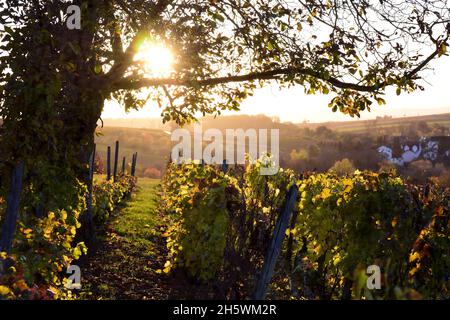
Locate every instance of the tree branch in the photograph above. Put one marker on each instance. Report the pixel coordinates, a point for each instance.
(129, 84)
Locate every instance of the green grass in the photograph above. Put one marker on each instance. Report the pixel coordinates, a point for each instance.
(130, 252)
(138, 219)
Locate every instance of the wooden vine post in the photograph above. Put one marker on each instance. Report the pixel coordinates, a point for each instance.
(275, 244)
(224, 166)
(12, 208)
(133, 164)
(108, 164)
(116, 160)
(91, 180)
(123, 165)
(90, 231)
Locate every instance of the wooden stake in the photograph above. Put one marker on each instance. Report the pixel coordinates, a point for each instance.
(108, 164)
(133, 164)
(12, 208)
(116, 160)
(275, 244)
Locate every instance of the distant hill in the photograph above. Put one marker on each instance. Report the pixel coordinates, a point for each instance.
(321, 143)
(153, 146)
(303, 146)
(140, 123)
(381, 123)
(262, 121)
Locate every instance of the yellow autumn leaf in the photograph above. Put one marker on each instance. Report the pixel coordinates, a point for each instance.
(394, 222)
(414, 257)
(439, 211)
(21, 285)
(413, 271)
(336, 260)
(4, 290)
(53, 290)
(326, 193)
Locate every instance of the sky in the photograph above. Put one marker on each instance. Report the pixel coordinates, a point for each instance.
(293, 105)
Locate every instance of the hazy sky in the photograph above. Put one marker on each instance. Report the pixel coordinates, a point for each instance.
(293, 105)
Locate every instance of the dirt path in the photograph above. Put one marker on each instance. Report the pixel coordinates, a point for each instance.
(130, 251)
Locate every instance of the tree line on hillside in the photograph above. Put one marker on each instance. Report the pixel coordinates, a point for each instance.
(302, 149)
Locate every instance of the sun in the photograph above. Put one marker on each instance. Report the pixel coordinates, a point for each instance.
(156, 58)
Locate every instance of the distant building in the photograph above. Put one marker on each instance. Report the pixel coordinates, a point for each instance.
(401, 151)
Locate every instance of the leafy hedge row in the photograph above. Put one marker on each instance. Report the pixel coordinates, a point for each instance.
(195, 197)
(221, 225)
(45, 247)
(346, 224)
(108, 195)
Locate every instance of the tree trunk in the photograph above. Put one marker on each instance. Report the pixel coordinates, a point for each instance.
(80, 124)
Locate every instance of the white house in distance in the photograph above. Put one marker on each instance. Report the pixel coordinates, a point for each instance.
(435, 149)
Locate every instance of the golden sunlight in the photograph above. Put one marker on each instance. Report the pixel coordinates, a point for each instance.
(156, 58)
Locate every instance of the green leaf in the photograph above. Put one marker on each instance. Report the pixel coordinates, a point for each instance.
(98, 69)
(218, 17)
(442, 50)
(381, 101)
(9, 30)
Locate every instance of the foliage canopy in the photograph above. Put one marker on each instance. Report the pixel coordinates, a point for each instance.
(225, 49)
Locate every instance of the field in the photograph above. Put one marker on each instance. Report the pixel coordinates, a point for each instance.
(385, 123)
(153, 146)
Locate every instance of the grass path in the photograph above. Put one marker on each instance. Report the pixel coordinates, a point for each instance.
(130, 251)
